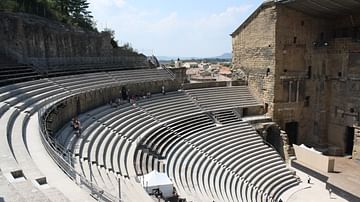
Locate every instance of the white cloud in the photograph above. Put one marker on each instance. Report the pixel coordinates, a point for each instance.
(226, 18)
(232, 11)
(106, 4)
(119, 3)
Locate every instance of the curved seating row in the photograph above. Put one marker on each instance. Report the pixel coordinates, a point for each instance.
(105, 144)
(207, 162)
(160, 139)
(11, 72)
(220, 98)
(171, 106)
(211, 153)
(64, 70)
(18, 103)
(108, 138)
(62, 66)
(76, 84)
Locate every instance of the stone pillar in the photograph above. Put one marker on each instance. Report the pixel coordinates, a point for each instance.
(297, 90)
(290, 91)
(356, 148)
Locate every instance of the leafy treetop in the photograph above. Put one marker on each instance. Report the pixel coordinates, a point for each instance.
(73, 12)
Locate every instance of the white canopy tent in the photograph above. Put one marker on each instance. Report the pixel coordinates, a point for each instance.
(156, 180)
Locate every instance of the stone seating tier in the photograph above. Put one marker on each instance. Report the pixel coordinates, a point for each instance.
(19, 105)
(215, 162)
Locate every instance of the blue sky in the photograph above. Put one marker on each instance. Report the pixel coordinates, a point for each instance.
(181, 28)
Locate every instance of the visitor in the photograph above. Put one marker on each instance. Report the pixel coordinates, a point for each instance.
(124, 93)
(163, 90)
(111, 103)
(196, 100)
(309, 180)
(128, 94)
(118, 101)
(330, 191)
(75, 123)
(133, 99)
(78, 127)
(72, 123)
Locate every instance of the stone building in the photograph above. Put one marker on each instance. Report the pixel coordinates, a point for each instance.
(302, 60)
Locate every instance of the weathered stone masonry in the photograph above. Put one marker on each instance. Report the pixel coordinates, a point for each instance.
(306, 69)
(254, 52)
(27, 38)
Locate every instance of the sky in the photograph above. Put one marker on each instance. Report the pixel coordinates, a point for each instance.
(180, 28)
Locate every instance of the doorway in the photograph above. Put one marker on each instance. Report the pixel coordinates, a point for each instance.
(245, 112)
(291, 129)
(349, 140)
(124, 94)
(274, 138)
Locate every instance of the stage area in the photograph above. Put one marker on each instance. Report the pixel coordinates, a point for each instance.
(344, 182)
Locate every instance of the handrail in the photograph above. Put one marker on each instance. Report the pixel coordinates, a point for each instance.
(169, 71)
(63, 158)
(60, 61)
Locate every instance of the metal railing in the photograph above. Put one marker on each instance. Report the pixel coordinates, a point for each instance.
(64, 61)
(64, 158)
(169, 71)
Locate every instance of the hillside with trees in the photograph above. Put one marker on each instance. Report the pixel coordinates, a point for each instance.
(72, 12)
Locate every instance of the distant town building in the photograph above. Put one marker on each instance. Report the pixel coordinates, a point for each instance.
(178, 63)
(204, 66)
(190, 64)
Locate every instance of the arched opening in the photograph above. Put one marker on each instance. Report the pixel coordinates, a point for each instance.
(124, 93)
(273, 137)
(291, 129)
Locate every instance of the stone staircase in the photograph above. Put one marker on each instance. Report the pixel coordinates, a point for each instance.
(225, 117)
(12, 72)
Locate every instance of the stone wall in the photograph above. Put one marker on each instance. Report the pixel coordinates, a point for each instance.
(343, 89)
(83, 102)
(295, 34)
(356, 149)
(314, 71)
(324, 73)
(180, 74)
(26, 38)
(254, 53)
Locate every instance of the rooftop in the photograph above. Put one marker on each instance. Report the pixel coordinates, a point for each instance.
(324, 8)
(318, 8)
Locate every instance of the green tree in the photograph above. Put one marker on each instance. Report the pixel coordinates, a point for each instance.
(78, 10)
(9, 5)
(62, 6)
(73, 12)
(114, 42)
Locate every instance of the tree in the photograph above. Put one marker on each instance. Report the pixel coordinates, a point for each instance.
(127, 46)
(113, 41)
(79, 13)
(74, 12)
(62, 6)
(8, 5)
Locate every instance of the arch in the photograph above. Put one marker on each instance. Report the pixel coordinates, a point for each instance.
(272, 134)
